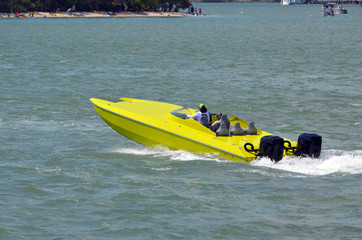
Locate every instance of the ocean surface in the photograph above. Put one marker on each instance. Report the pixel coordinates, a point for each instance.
(64, 174)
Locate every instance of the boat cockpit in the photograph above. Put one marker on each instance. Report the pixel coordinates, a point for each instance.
(225, 127)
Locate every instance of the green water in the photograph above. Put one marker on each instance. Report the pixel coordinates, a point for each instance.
(66, 175)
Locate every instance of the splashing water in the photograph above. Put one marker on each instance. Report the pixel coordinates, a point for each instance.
(160, 151)
(330, 162)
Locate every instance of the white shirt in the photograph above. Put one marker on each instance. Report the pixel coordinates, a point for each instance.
(197, 116)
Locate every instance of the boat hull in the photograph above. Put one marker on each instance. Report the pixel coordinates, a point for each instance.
(156, 138)
(152, 124)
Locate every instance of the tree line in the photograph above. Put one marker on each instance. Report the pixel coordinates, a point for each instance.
(91, 5)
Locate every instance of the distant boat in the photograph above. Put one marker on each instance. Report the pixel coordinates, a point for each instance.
(328, 10)
(341, 10)
(20, 15)
(287, 2)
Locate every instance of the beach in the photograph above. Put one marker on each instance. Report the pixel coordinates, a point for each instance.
(98, 14)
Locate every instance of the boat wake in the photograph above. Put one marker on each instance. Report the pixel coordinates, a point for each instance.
(171, 154)
(330, 162)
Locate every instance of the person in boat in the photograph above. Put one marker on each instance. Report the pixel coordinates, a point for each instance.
(215, 125)
(198, 115)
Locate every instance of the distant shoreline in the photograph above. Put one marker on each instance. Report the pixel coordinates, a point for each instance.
(99, 14)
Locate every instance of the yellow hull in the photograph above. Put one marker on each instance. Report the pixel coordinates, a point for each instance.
(151, 123)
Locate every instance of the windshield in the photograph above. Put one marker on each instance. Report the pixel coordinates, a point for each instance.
(182, 112)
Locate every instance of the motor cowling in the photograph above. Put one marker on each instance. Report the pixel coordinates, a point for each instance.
(309, 144)
(272, 147)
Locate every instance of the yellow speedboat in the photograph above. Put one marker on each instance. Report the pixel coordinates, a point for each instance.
(154, 123)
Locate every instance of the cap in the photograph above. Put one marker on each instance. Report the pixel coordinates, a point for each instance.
(201, 105)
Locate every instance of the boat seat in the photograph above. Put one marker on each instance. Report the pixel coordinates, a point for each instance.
(204, 120)
(224, 119)
(222, 131)
(251, 129)
(236, 129)
(215, 126)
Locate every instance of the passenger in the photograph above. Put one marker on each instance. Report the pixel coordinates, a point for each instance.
(215, 125)
(202, 111)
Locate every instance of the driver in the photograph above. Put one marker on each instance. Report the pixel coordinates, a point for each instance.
(202, 111)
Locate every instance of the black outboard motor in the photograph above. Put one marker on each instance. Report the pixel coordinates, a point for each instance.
(309, 144)
(272, 147)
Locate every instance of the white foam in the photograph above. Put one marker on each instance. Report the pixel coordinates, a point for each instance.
(53, 170)
(165, 152)
(135, 151)
(64, 61)
(330, 162)
(162, 169)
